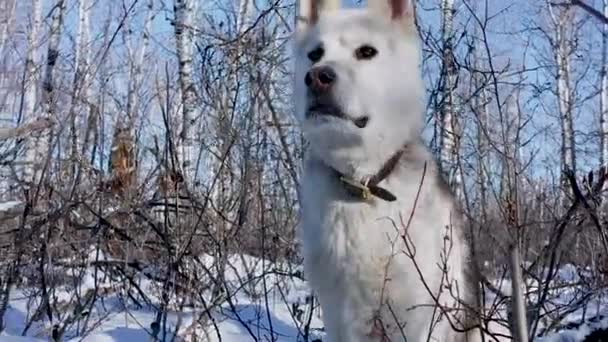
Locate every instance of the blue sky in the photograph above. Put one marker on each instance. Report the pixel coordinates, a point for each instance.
(508, 44)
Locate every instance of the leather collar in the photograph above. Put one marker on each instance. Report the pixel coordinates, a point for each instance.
(366, 188)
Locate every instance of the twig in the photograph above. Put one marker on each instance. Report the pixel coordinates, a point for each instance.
(588, 8)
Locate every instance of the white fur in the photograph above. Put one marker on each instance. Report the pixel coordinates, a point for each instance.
(354, 252)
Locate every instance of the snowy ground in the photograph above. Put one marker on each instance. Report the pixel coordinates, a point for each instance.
(280, 315)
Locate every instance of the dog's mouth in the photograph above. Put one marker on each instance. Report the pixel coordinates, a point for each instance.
(320, 109)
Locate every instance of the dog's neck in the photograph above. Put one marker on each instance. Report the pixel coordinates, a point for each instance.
(365, 188)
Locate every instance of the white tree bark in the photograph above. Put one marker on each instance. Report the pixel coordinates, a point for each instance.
(563, 22)
(450, 109)
(244, 16)
(31, 62)
(42, 141)
(519, 321)
(513, 205)
(135, 78)
(81, 93)
(483, 127)
(604, 92)
(184, 41)
(511, 130)
(30, 86)
(7, 15)
(83, 59)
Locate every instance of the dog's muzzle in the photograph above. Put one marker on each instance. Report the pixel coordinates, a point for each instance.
(320, 82)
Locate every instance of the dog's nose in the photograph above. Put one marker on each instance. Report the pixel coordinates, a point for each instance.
(320, 79)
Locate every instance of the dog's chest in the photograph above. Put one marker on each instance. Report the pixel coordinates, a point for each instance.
(365, 259)
(348, 241)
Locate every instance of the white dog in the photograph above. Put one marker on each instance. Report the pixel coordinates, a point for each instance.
(382, 239)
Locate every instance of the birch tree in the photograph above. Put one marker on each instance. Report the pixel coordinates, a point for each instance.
(137, 59)
(480, 107)
(7, 10)
(244, 15)
(81, 93)
(562, 22)
(184, 40)
(449, 110)
(41, 153)
(604, 92)
(513, 207)
(29, 98)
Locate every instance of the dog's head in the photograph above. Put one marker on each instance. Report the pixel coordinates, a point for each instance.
(358, 90)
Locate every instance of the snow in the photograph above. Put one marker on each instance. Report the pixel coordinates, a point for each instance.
(114, 319)
(254, 314)
(9, 338)
(575, 335)
(4, 206)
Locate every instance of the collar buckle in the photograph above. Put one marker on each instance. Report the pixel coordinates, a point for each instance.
(357, 188)
(368, 187)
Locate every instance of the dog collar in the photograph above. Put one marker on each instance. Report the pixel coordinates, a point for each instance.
(367, 188)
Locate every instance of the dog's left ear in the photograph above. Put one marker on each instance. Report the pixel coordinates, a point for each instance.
(310, 10)
(401, 12)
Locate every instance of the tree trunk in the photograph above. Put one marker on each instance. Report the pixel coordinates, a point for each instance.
(244, 15)
(604, 93)
(81, 91)
(513, 204)
(449, 110)
(562, 22)
(42, 153)
(519, 323)
(135, 78)
(30, 88)
(184, 41)
(483, 147)
(7, 8)
(42, 146)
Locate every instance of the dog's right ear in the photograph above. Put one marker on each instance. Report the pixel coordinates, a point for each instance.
(310, 10)
(398, 11)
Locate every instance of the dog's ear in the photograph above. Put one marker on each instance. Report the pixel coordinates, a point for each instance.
(310, 10)
(399, 11)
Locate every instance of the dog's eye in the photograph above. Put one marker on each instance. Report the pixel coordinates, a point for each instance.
(366, 52)
(316, 54)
